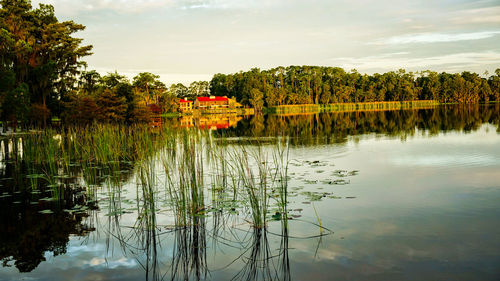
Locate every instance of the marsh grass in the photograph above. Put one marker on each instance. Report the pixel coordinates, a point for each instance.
(281, 162)
(253, 179)
(184, 173)
(354, 106)
(244, 176)
(198, 177)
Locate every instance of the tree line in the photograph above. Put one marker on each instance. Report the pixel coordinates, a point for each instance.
(113, 98)
(325, 85)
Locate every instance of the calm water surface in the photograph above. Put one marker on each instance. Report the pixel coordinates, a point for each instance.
(400, 195)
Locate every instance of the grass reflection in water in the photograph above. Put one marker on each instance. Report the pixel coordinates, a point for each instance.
(206, 191)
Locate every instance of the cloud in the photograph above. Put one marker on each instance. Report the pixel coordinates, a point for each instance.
(187, 40)
(435, 38)
(473, 16)
(211, 4)
(74, 7)
(100, 262)
(450, 62)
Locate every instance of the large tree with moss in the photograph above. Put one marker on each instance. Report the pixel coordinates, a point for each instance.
(39, 58)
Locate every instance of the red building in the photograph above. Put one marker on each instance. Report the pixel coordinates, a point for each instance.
(211, 102)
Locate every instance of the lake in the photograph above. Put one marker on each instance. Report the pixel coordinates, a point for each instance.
(362, 195)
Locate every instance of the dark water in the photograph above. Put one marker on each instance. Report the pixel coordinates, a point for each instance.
(400, 195)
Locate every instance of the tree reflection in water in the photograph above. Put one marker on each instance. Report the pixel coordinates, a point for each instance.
(43, 205)
(336, 127)
(37, 218)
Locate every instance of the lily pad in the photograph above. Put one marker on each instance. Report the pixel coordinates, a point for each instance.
(276, 216)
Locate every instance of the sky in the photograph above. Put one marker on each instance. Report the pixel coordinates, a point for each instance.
(190, 40)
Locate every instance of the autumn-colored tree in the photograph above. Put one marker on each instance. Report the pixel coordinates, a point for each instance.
(141, 114)
(81, 110)
(112, 108)
(37, 114)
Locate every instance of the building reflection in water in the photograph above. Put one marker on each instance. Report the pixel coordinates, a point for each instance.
(210, 122)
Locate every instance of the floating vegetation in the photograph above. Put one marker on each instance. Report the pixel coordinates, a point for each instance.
(344, 173)
(338, 182)
(310, 181)
(315, 196)
(118, 212)
(276, 216)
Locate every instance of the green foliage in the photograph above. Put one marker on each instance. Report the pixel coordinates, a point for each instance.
(149, 83)
(178, 90)
(16, 105)
(110, 98)
(89, 81)
(112, 80)
(198, 89)
(125, 90)
(325, 85)
(7, 82)
(169, 102)
(494, 83)
(148, 89)
(39, 54)
(256, 99)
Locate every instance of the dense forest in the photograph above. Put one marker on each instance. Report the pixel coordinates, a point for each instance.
(43, 75)
(325, 85)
